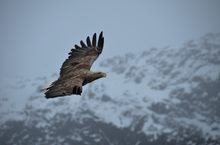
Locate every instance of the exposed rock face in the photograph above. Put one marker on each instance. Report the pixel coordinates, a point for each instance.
(159, 96)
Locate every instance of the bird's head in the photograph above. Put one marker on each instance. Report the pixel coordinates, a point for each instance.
(101, 75)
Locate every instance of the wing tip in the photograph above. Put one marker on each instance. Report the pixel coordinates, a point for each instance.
(101, 40)
(83, 44)
(88, 41)
(94, 40)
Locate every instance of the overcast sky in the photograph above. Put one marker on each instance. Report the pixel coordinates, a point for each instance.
(36, 35)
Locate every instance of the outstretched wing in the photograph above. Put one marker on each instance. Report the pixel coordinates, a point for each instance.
(72, 72)
(82, 57)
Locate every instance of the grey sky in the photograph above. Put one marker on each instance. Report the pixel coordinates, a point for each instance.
(36, 36)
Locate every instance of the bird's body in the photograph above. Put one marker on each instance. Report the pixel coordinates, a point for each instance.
(75, 71)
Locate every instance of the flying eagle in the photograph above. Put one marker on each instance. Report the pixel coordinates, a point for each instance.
(75, 71)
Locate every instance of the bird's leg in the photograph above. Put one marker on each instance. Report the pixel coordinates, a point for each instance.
(77, 90)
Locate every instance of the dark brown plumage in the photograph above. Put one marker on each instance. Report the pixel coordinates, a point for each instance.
(75, 71)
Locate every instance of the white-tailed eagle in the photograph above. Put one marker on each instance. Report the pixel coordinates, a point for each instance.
(75, 71)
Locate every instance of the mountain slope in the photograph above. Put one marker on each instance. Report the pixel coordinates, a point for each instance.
(158, 96)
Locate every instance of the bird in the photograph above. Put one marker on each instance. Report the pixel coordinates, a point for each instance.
(75, 70)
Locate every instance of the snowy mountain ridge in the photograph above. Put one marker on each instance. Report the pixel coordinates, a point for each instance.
(160, 91)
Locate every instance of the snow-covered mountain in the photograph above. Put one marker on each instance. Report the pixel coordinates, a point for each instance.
(158, 96)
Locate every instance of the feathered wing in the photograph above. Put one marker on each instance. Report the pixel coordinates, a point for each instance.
(74, 69)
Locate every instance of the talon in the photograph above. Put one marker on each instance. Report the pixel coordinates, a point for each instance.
(74, 90)
(77, 90)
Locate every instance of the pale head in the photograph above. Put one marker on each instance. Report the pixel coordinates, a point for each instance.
(100, 74)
